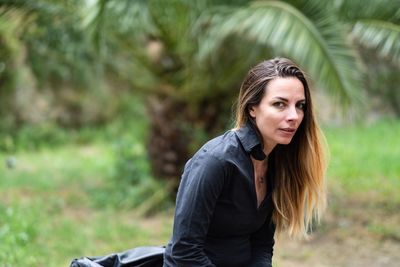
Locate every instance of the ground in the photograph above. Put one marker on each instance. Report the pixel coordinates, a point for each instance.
(342, 240)
(349, 240)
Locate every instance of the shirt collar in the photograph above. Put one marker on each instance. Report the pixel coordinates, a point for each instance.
(251, 141)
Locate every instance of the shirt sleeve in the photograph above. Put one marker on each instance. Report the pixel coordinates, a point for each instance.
(262, 243)
(201, 184)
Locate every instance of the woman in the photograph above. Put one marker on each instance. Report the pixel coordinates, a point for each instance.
(267, 174)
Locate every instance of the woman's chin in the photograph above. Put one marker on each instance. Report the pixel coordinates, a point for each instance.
(284, 141)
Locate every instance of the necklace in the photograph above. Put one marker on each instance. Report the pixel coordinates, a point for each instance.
(260, 169)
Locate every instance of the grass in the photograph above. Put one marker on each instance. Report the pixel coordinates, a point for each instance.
(50, 213)
(365, 160)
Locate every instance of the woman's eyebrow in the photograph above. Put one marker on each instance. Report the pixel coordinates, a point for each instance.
(286, 100)
(280, 98)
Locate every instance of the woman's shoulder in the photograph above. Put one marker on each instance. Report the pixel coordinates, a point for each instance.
(221, 147)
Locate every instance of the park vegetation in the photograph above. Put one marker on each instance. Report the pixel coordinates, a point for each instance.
(103, 101)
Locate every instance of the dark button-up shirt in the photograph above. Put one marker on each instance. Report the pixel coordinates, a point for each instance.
(217, 221)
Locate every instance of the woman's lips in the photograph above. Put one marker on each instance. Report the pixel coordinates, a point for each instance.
(288, 131)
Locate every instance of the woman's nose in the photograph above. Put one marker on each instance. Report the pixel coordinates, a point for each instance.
(293, 114)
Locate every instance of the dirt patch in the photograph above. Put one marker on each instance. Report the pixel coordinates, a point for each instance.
(365, 235)
(329, 251)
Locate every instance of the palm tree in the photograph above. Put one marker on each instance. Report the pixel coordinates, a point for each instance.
(44, 47)
(375, 29)
(375, 25)
(190, 56)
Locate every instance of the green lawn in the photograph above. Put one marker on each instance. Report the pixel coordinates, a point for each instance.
(48, 215)
(49, 212)
(365, 160)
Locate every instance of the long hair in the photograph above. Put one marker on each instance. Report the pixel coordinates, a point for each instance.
(298, 168)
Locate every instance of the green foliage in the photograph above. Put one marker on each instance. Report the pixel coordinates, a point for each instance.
(198, 52)
(310, 34)
(381, 35)
(375, 26)
(130, 183)
(364, 159)
(386, 229)
(131, 162)
(45, 135)
(188, 37)
(45, 47)
(56, 42)
(33, 138)
(382, 83)
(10, 56)
(47, 216)
(193, 51)
(129, 124)
(67, 201)
(18, 230)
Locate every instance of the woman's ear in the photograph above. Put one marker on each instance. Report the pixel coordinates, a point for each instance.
(252, 112)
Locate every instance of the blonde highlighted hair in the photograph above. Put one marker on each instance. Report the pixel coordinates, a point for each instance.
(297, 169)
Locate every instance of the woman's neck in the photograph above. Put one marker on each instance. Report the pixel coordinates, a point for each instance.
(268, 147)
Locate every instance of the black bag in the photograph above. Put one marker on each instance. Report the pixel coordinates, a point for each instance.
(136, 257)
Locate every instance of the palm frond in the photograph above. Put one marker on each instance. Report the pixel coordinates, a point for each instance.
(383, 36)
(108, 20)
(289, 32)
(354, 10)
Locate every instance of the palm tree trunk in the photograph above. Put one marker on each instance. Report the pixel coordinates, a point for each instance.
(174, 132)
(168, 143)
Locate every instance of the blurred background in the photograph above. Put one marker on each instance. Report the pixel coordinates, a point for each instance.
(103, 101)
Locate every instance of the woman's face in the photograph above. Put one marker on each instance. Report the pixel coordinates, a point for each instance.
(280, 111)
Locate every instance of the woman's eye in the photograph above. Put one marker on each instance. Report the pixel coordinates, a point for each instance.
(279, 104)
(301, 106)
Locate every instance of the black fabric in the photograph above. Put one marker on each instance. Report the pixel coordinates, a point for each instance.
(137, 257)
(217, 221)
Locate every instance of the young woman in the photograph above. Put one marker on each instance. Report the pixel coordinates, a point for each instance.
(267, 174)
